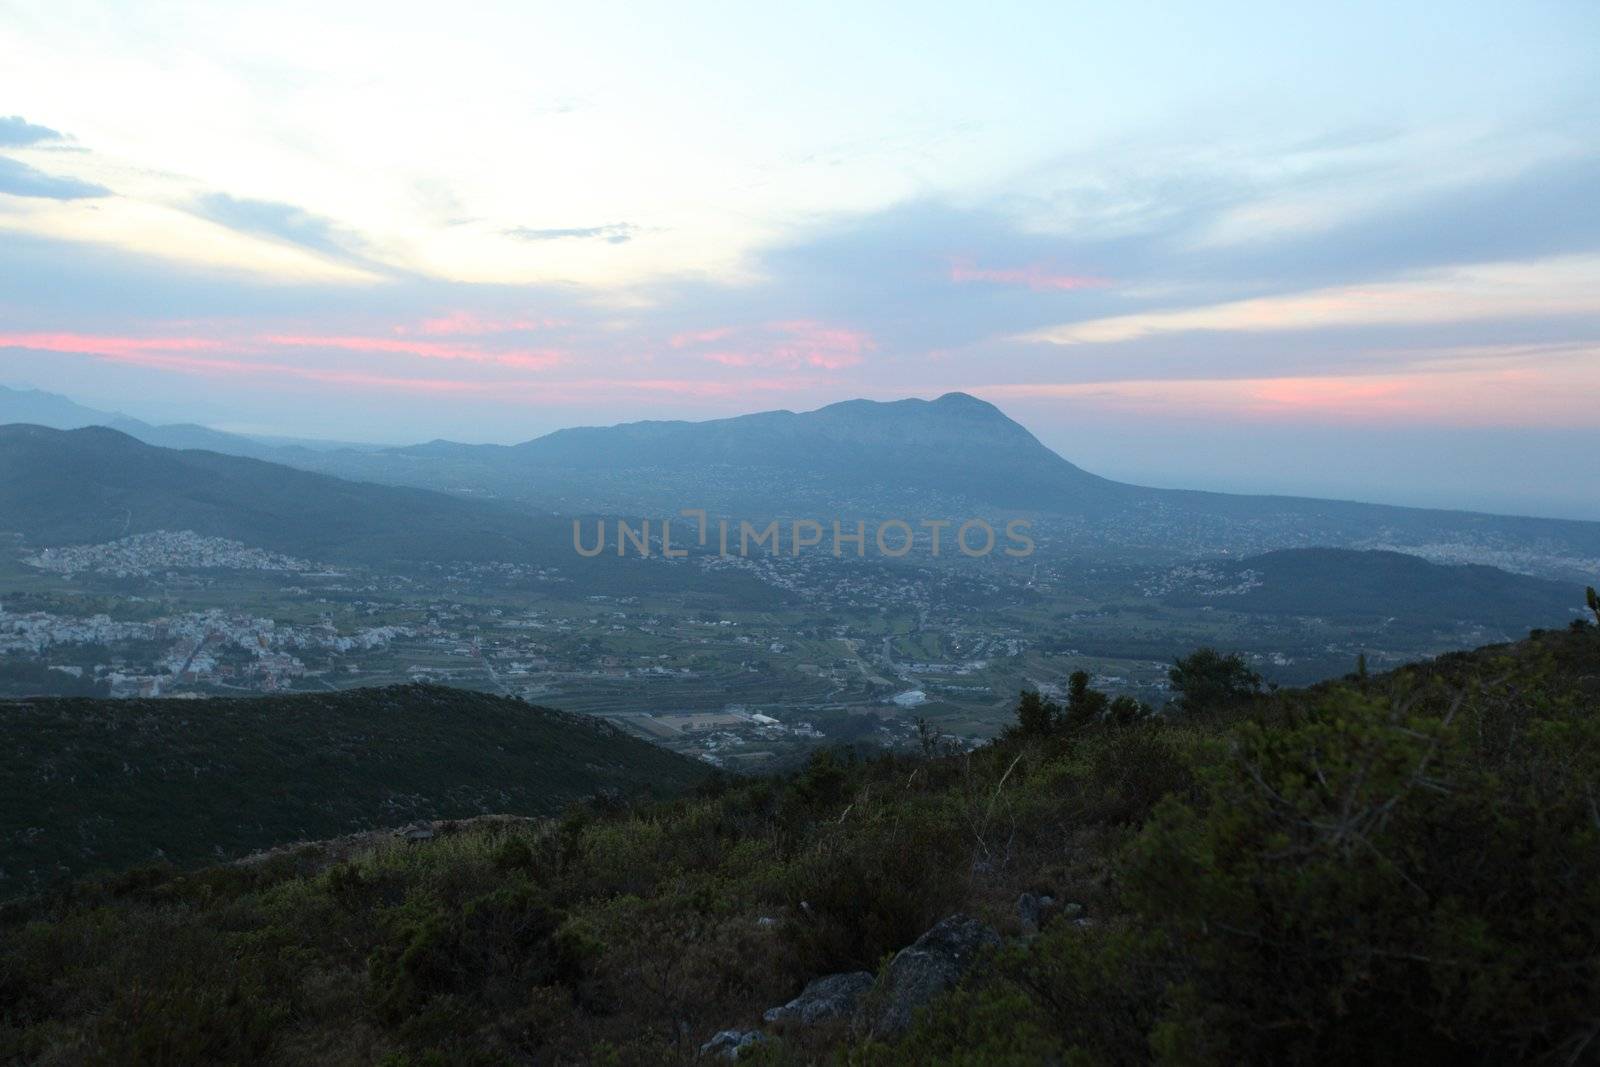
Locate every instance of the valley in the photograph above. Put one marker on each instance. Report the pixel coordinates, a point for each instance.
(742, 662)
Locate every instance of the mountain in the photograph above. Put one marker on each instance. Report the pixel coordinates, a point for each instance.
(96, 484)
(1393, 869)
(1343, 583)
(955, 446)
(954, 456)
(93, 485)
(39, 408)
(88, 784)
(188, 435)
(49, 409)
(955, 449)
(951, 456)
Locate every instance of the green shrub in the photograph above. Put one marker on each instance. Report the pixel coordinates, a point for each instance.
(1386, 873)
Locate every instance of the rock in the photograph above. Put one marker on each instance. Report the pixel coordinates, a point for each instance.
(1072, 910)
(730, 1044)
(927, 967)
(832, 996)
(1029, 908)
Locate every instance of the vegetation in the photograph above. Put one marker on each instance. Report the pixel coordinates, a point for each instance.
(1403, 869)
(104, 784)
(1356, 586)
(96, 484)
(1207, 680)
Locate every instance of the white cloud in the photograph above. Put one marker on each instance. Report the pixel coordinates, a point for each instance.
(1565, 285)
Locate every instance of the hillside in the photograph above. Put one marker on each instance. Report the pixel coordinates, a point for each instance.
(953, 449)
(1403, 868)
(102, 784)
(39, 408)
(97, 484)
(1341, 583)
(955, 453)
(956, 445)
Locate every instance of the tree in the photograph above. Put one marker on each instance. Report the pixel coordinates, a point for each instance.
(1594, 603)
(1206, 680)
(1036, 716)
(1127, 710)
(1084, 705)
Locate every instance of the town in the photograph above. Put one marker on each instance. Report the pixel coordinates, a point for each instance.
(749, 661)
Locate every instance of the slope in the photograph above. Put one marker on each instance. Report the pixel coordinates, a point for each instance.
(1343, 583)
(88, 784)
(97, 484)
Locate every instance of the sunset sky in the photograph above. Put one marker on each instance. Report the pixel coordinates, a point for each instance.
(1336, 249)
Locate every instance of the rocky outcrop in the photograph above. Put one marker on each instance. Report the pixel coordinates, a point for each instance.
(930, 965)
(731, 1044)
(832, 996)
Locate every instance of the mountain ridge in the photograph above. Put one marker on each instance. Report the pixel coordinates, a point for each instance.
(954, 455)
(96, 484)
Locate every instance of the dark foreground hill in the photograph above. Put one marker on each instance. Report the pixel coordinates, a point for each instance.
(104, 784)
(1396, 869)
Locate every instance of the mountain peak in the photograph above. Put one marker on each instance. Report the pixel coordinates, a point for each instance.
(959, 399)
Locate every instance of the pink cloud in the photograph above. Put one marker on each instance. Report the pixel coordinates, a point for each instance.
(791, 344)
(424, 349)
(467, 323)
(119, 346)
(701, 337)
(188, 356)
(1035, 276)
(147, 356)
(600, 389)
(106, 345)
(1471, 393)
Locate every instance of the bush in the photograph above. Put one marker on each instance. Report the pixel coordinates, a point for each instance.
(873, 887)
(1208, 681)
(1378, 876)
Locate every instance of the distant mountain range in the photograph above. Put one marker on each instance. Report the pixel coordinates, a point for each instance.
(39, 408)
(953, 456)
(97, 484)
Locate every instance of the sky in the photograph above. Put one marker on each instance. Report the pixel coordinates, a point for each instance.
(1347, 250)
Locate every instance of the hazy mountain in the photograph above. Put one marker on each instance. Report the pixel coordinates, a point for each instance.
(49, 409)
(953, 456)
(1337, 583)
(39, 408)
(92, 485)
(97, 484)
(955, 448)
(956, 445)
(193, 780)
